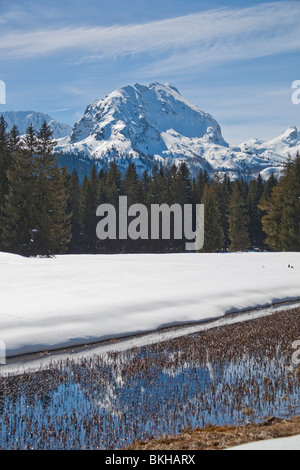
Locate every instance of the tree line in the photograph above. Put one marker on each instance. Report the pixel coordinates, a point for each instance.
(44, 210)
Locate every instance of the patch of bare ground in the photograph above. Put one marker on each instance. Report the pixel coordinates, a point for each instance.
(223, 437)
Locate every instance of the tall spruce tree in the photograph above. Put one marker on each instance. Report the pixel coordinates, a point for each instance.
(53, 229)
(89, 219)
(113, 184)
(31, 141)
(59, 235)
(268, 186)
(256, 233)
(225, 192)
(199, 185)
(167, 184)
(4, 160)
(145, 186)
(131, 186)
(290, 221)
(19, 220)
(73, 208)
(238, 220)
(281, 221)
(183, 185)
(271, 220)
(14, 140)
(155, 186)
(213, 230)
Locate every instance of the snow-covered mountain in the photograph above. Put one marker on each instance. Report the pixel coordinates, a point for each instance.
(274, 151)
(23, 119)
(152, 123)
(144, 124)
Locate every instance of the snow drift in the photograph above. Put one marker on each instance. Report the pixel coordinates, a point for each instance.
(76, 299)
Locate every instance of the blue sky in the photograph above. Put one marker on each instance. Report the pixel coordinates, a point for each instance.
(235, 59)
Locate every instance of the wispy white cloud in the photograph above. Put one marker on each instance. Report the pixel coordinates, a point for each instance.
(60, 110)
(229, 49)
(12, 15)
(26, 14)
(198, 38)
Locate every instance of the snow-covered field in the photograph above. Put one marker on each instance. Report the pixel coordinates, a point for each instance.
(77, 299)
(285, 443)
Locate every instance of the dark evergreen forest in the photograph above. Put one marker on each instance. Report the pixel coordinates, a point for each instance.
(44, 210)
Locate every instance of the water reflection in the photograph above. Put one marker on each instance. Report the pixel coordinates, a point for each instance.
(107, 402)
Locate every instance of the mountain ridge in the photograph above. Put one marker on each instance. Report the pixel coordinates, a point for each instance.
(23, 119)
(151, 123)
(146, 124)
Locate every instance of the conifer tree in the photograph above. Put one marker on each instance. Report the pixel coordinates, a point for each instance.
(4, 138)
(31, 141)
(4, 159)
(271, 220)
(256, 233)
(44, 167)
(58, 236)
(19, 220)
(281, 221)
(268, 186)
(225, 192)
(213, 230)
(82, 206)
(46, 145)
(181, 193)
(131, 186)
(145, 186)
(53, 230)
(17, 184)
(14, 141)
(182, 185)
(155, 186)
(113, 184)
(290, 220)
(166, 181)
(73, 208)
(199, 185)
(102, 186)
(238, 220)
(89, 219)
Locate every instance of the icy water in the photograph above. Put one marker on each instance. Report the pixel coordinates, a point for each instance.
(226, 376)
